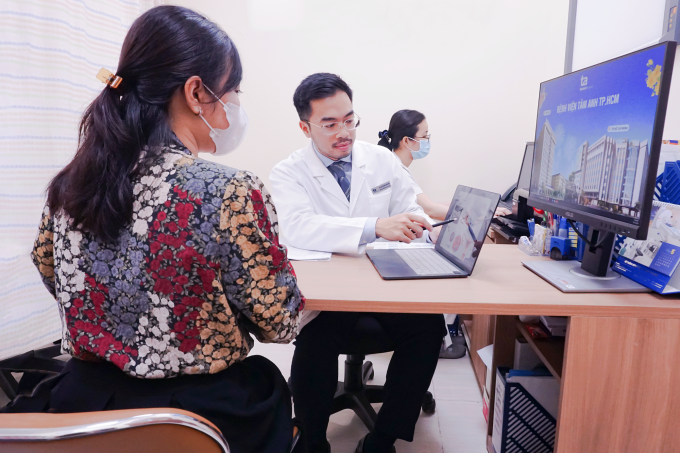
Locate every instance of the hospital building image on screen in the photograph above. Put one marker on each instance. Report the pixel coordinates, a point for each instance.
(593, 135)
(609, 175)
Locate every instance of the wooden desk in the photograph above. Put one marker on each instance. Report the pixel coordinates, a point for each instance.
(622, 357)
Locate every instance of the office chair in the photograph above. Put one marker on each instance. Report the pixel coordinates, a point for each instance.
(354, 393)
(157, 430)
(161, 430)
(35, 366)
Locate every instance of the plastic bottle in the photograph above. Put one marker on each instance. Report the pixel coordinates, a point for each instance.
(564, 231)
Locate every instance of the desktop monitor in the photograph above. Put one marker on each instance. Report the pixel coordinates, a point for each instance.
(597, 142)
(521, 211)
(524, 179)
(598, 137)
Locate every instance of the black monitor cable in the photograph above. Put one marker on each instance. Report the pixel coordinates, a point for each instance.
(598, 244)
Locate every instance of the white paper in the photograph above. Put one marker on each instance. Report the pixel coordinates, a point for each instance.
(498, 411)
(545, 389)
(400, 245)
(554, 321)
(486, 354)
(297, 254)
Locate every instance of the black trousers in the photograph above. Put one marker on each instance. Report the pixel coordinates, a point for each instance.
(249, 401)
(415, 340)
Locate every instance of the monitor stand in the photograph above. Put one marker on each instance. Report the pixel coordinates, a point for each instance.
(521, 211)
(593, 275)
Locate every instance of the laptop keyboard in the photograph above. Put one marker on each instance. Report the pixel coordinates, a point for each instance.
(427, 262)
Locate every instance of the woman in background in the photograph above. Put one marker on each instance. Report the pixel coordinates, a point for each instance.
(408, 137)
(163, 264)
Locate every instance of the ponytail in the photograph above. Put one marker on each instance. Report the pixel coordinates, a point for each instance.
(385, 139)
(404, 123)
(126, 127)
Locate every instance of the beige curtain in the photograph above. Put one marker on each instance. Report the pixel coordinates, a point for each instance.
(51, 51)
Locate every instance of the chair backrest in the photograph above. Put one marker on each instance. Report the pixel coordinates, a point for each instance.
(161, 430)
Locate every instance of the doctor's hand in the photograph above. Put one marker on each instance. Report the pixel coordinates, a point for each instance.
(478, 246)
(434, 234)
(501, 211)
(402, 227)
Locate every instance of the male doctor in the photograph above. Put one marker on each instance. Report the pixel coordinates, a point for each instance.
(337, 195)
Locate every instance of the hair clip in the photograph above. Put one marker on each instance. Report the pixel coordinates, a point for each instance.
(383, 134)
(109, 78)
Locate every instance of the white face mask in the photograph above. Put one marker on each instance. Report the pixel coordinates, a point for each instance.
(227, 140)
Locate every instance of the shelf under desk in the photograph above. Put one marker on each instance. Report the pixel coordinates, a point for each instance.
(549, 350)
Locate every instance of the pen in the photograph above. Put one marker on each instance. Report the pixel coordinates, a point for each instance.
(472, 233)
(444, 222)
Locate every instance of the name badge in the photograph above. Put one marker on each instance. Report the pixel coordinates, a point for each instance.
(381, 187)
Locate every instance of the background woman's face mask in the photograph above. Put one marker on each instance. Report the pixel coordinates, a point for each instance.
(423, 151)
(227, 140)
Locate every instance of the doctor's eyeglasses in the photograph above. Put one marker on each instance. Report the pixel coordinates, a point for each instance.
(333, 128)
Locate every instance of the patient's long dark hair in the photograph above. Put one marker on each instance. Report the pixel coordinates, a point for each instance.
(164, 47)
(404, 123)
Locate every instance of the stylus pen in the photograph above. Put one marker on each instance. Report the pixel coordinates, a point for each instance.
(435, 225)
(472, 233)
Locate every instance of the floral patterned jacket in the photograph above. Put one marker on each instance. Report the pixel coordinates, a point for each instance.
(198, 270)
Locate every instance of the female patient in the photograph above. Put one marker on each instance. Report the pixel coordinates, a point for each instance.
(164, 264)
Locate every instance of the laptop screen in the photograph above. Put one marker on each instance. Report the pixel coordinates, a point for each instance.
(461, 240)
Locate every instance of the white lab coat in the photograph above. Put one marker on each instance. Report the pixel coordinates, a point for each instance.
(313, 212)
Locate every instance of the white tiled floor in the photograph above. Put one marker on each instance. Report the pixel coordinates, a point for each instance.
(457, 426)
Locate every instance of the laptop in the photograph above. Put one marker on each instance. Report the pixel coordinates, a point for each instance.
(458, 245)
(515, 225)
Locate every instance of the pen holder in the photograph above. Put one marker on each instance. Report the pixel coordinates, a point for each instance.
(541, 234)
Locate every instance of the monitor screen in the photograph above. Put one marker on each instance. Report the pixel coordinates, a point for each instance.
(524, 179)
(596, 137)
(462, 239)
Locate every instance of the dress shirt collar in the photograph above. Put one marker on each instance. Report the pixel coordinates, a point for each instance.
(326, 161)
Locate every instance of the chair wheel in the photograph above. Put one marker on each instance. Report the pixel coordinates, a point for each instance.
(429, 404)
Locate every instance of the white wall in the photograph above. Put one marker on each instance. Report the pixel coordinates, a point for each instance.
(473, 68)
(606, 29)
(671, 129)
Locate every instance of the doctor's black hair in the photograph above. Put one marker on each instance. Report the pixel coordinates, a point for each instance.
(321, 85)
(126, 127)
(404, 123)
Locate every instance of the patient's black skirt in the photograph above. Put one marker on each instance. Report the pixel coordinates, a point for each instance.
(249, 401)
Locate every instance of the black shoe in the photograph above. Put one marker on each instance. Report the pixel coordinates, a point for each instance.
(454, 351)
(360, 446)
